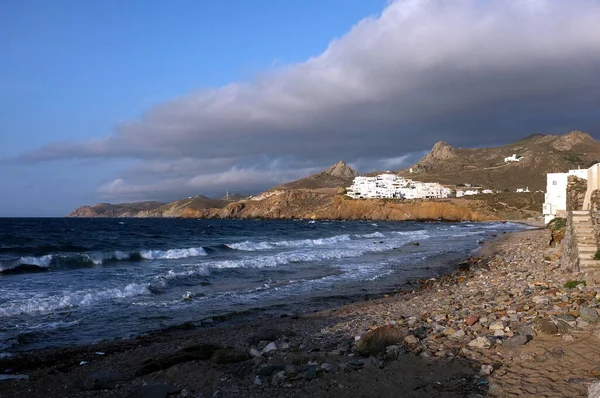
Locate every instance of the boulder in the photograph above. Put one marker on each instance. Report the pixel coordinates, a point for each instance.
(589, 314)
(375, 341)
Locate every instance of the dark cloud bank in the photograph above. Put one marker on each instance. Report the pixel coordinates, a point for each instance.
(469, 72)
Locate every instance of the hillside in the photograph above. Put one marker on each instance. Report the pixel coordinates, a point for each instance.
(116, 210)
(174, 209)
(148, 209)
(338, 175)
(539, 154)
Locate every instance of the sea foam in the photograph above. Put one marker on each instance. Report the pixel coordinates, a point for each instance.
(71, 300)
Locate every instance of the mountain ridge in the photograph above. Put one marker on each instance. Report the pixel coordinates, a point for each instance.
(539, 154)
(314, 195)
(340, 174)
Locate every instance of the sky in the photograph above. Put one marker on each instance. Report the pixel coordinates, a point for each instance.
(118, 101)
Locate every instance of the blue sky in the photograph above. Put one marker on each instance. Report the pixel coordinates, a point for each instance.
(131, 100)
(72, 70)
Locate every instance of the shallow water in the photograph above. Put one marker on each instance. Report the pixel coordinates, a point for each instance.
(69, 281)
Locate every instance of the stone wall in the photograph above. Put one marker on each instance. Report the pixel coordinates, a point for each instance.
(595, 212)
(569, 258)
(576, 189)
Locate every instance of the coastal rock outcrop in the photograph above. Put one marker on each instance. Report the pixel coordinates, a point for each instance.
(327, 204)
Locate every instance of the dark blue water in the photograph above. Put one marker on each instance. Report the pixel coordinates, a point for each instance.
(70, 281)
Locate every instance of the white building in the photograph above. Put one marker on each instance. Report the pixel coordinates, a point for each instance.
(556, 192)
(466, 192)
(512, 158)
(391, 186)
(522, 190)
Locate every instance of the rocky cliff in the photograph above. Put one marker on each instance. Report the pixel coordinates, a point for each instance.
(116, 210)
(325, 204)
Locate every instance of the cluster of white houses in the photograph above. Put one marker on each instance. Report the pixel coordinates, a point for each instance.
(392, 186)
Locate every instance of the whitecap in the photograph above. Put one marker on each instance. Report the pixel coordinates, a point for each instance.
(71, 300)
(172, 253)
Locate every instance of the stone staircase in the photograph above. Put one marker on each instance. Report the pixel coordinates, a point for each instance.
(587, 246)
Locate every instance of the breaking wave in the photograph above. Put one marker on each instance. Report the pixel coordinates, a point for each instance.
(85, 260)
(254, 246)
(172, 254)
(71, 300)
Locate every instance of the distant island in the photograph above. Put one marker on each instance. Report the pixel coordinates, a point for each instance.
(520, 166)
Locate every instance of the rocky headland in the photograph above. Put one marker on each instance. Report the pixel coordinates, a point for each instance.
(327, 204)
(507, 323)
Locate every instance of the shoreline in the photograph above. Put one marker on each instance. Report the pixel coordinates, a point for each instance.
(317, 351)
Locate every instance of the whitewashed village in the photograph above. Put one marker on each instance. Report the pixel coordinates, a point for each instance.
(392, 186)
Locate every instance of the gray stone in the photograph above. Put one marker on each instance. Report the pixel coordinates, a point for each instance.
(563, 327)
(278, 378)
(356, 364)
(392, 352)
(567, 317)
(526, 329)
(13, 377)
(271, 347)
(254, 353)
(515, 341)
(588, 314)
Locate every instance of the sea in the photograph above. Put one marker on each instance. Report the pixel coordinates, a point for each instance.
(67, 281)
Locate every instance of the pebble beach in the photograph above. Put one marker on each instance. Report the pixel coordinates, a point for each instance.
(506, 323)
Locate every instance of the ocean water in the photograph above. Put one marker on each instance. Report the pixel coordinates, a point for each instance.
(75, 281)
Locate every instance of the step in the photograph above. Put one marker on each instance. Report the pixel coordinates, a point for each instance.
(586, 241)
(588, 253)
(589, 265)
(579, 212)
